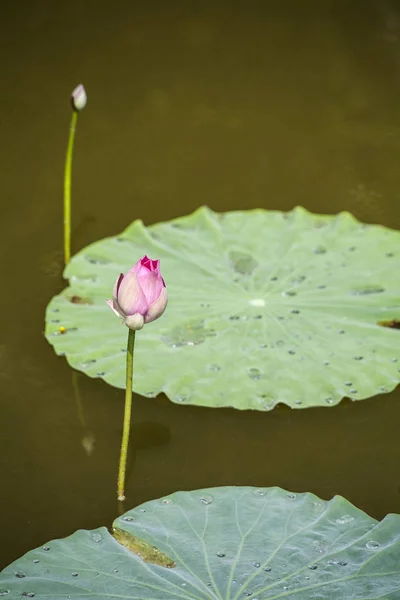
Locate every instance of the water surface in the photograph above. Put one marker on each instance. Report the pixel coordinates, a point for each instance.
(231, 104)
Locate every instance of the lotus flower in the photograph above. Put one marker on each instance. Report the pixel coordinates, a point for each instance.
(140, 296)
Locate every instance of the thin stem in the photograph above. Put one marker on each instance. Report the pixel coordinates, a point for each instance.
(67, 188)
(77, 394)
(127, 416)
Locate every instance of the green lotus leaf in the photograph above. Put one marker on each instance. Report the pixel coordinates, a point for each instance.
(223, 543)
(264, 307)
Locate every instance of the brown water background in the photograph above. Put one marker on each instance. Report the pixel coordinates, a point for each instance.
(240, 104)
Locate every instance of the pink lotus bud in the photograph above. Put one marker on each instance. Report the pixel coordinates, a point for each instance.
(79, 98)
(140, 296)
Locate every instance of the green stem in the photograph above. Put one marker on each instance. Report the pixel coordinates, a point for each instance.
(67, 188)
(127, 416)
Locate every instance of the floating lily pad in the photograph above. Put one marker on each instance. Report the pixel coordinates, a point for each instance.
(264, 307)
(222, 543)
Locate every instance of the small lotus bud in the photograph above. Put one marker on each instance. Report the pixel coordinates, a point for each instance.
(79, 98)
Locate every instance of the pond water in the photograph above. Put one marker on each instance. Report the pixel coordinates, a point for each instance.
(232, 104)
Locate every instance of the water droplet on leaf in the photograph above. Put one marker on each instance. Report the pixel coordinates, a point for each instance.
(181, 398)
(190, 334)
(345, 519)
(242, 263)
(86, 364)
(206, 500)
(363, 291)
(254, 373)
(372, 545)
(320, 546)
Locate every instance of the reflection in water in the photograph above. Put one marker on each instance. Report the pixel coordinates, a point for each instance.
(235, 105)
(149, 435)
(88, 440)
(144, 436)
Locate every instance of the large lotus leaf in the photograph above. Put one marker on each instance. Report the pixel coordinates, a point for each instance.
(221, 543)
(264, 307)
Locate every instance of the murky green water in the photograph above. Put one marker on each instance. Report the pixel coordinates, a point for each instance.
(231, 104)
